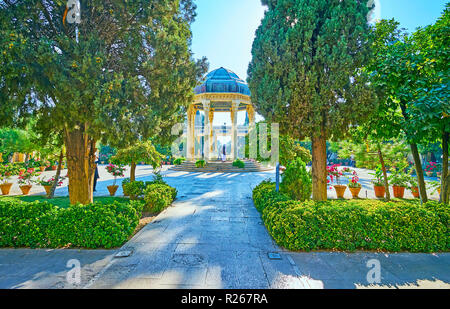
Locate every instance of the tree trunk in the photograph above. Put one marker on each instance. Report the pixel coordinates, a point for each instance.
(319, 167)
(419, 172)
(383, 168)
(58, 174)
(445, 179)
(80, 153)
(133, 172)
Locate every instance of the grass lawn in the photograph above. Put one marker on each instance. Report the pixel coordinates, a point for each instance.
(63, 202)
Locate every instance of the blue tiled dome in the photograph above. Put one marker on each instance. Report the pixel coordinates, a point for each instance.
(222, 80)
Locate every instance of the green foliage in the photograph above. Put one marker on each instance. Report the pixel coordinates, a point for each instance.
(238, 163)
(158, 197)
(303, 57)
(398, 177)
(43, 225)
(138, 152)
(296, 182)
(377, 179)
(264, 195)
(134, 189)
(200, 163)
(290, 150)
(359, 225)
(179, 161)
(124, 83)
(365, 154)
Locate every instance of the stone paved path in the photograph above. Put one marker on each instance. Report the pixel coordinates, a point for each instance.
(212, 237)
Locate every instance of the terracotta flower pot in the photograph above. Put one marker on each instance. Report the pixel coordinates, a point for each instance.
(54, 167)
(415, 192)
(340, 190)
(112, 190)
(47, 189)
(25, 189)
(6, 187)
(42, 168)
(380, 191)
(429, 174)
(355, 191)
(399, 192)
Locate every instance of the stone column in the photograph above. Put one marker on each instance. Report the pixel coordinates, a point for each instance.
(234, 110)
(211, 133)
(207, 129)
(190, 144)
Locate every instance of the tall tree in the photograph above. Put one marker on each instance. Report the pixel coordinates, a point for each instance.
(412, 72)
(125, 64)
(306, 72)
(429, 112)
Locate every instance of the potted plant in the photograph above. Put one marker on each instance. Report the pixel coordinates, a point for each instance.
(335, 174)
(47, 184)
(414, 187)
(429, 169)
(200, 163)
(114, 170)
(26, 180)
(354, 185)
(43, 165)
(399, 181)
(5, 174)
(378, 184)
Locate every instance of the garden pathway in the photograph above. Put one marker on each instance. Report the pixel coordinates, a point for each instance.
(211, 237)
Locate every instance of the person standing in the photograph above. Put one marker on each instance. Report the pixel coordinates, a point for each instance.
(96, 175)
(224, 153)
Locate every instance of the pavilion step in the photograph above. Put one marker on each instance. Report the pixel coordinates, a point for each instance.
(221, 167)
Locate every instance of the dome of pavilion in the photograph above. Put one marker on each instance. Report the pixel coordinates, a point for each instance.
(222, 81)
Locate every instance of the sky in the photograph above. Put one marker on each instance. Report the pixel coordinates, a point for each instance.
(224, 29)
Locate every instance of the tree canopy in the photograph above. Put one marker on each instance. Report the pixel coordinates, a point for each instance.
(307, 72)
(124, 72)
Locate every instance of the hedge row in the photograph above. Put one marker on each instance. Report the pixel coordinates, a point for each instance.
(43, 225)
(264, 195)
(354, 224)
(158, 196)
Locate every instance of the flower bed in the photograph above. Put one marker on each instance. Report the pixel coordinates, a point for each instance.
(353, 224)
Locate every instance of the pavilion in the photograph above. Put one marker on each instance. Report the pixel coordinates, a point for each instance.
(221, 91)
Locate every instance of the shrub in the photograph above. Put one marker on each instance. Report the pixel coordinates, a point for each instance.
(158, 197)
(179, 161)
(200, 163)
(297, 183)
(359, 224)
(238, 163)
(264, 195)
(134, 189)
(40, 224)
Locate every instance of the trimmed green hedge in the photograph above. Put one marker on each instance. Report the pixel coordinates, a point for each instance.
(158, 196)
(354, 224)
(264, 195)
(43, 225)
